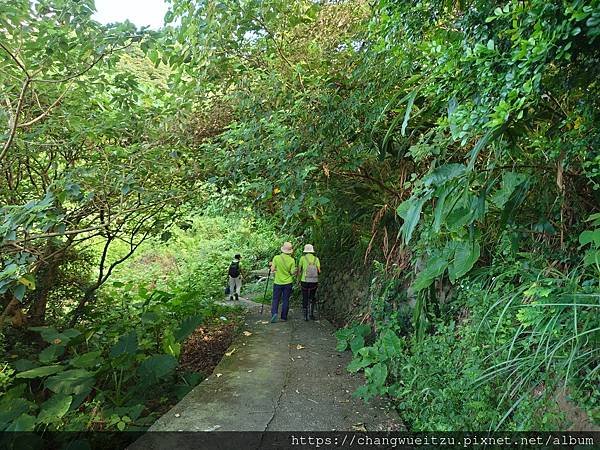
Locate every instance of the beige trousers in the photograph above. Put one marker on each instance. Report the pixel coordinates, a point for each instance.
(235, 286)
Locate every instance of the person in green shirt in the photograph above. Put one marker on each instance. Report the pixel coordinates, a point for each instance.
(309, 270)
(284, 267)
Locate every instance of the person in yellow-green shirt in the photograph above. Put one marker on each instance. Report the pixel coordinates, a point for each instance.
(309, 268)
(284, 267)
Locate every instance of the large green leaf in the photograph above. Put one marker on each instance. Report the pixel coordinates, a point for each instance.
(24, 422)
(458, 218)
(38, 372)
(357, 343)
(434, 268)
(465, 257)
(592, 257)
(55, 408)
(127, 344)
(377, 374)
(69, 382)
(481, 143)
(444, 173)
(410, 211)
(49, 334)
(187, 327)
(52, 336)
(24, 364)
(590, 236)
(391, 345)
(86, 360)
(12, 408)
(510, 181)
(409, 107)
(358, 363)
(156, 367)
(51, 353)
(440, 206)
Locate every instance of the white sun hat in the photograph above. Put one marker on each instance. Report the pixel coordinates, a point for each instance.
(287, 248)
(308, 248)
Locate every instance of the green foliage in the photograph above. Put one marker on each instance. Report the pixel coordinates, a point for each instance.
(521, 339)
(103, 367)
(86, 149)
(196, 259)
(352, 337)
(451, 145)
(104, 372)
(591, 240)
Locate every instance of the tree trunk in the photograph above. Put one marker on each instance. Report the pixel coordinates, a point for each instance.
(45, 282)
(89, 294)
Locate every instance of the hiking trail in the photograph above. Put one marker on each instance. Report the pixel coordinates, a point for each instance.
(285, 376)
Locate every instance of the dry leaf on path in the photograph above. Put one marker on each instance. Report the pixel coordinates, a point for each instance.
(178, 415)
(299, 347)
(219, 374)
(247, 333)
(250, 371)
(230, 353)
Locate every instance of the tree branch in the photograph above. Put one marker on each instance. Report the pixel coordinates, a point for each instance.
(84, 71)
(13, 125)
(45, 113)
(66, 233)
(262, 23)
(15, 59)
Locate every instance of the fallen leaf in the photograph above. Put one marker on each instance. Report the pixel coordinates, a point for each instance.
(247, 333)
(299, 347)
(219, 374)
(250, 371)
(230, 353)
(177, 415)
(297, 391)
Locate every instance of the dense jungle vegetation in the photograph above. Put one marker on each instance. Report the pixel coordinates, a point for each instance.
(444, 152)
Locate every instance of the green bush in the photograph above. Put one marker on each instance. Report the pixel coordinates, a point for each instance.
(515, 336)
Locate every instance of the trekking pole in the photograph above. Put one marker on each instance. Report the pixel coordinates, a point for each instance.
(262, 304)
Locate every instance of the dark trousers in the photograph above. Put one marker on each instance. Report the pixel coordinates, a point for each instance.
(281, 292)
(309, 292)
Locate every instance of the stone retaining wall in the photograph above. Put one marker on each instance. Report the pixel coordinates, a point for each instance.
(343, 294)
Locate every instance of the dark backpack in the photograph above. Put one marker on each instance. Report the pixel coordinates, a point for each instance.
(234, 269)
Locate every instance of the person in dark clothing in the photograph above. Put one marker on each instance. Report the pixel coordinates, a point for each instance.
(235, 278)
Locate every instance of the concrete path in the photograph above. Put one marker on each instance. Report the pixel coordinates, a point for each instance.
(285, 376)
